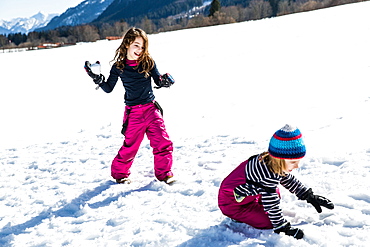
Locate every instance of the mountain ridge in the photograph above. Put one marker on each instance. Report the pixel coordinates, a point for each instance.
(83, 13)
(25, 25)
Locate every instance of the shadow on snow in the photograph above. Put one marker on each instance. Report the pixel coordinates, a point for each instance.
(71, 209)
(229, 233)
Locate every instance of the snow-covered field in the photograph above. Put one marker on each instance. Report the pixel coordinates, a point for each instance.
(235, 86)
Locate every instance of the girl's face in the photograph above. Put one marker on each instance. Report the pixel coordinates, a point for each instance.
(135, 49)
(290, 165)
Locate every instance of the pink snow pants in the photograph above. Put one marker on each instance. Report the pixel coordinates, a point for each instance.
(144, 119)
(250, 210)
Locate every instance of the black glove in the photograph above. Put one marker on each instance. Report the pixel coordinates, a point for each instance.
(96, 78)
(318, 201)
(165, 80)
(289, 230)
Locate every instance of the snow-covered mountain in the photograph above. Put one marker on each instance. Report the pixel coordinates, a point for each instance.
(3, 30)
(85, 12)
(25, 25)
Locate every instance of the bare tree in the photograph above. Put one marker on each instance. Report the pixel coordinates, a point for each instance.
(260, 9)
(3, 41)
(233, 12)
(147, 25)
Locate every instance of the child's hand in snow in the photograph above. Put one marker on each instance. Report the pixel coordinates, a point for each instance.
(318, 201)
(289, 230)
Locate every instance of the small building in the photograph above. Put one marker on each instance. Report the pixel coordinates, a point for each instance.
(113, 37)
(48, 45)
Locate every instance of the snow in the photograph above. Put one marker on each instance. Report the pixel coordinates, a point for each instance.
(235, 86)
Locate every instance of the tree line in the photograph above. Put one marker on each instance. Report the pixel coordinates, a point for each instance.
(254, 10)
(134, 11)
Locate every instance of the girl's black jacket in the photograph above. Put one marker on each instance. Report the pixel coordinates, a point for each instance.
(138, 89)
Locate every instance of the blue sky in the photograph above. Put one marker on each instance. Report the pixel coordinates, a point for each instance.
(10, 9)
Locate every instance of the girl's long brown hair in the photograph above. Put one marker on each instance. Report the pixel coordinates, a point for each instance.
(145, 60)
(275, 165)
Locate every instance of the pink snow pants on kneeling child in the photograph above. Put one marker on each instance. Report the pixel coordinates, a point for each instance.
(144, 119)
(250, 210)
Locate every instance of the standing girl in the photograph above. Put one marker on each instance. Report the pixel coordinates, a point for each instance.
(250, 194)
(136, 68)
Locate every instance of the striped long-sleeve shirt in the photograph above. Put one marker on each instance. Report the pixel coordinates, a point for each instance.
(258, 172)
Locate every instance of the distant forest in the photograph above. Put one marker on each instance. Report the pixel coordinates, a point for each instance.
(135, 10)
(219, 13)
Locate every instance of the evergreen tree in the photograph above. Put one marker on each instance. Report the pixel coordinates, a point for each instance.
(215, 6)
(275, 7)
(17, 38)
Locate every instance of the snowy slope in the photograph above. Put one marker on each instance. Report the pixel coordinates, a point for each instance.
(235, 86)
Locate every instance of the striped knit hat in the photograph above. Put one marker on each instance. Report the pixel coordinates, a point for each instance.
(287, 143)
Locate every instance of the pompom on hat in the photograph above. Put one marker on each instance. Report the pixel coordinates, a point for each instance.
(287, 143)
